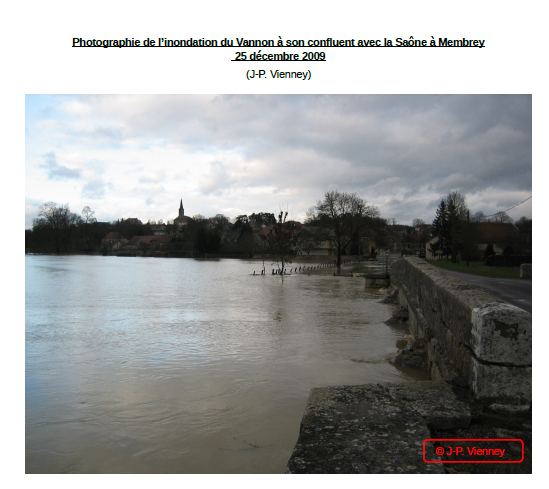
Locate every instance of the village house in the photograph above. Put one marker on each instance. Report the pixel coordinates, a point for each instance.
(133, 220)
(147, 242)
(368, 242)
(159, 229)
(482, 234)
(415, 242)
(266, 232)
(312, 241)
(492, 233)
(113, 241)
(393, 242)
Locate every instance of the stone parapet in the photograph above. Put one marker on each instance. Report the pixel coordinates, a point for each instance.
(375, 428)
(472, 337)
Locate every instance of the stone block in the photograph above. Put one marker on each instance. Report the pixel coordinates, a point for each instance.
(435, 402)
(361, 430)
(502, 333)
(502, 384)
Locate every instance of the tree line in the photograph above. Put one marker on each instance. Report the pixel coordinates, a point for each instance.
(340, 219)
(57, 229)
(456, 237)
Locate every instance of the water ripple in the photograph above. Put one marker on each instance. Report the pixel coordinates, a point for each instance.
(153, 365)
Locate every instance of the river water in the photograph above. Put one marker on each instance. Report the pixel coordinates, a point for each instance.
(152, 365)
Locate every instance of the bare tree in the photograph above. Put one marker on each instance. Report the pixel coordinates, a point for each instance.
(309, 239)
(501, 217)
(479, 217)
(220, 222)
(344, 216)
(280, 241)
(199, 218)
(60, 220)
(87, 218)
(418, 222)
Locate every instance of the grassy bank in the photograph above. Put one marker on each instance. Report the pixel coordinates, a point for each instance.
(478, 268)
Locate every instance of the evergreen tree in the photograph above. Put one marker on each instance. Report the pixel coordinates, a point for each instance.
(441, 230)
(457, 218)
(240, 221)
(449, 223)
(489, 251)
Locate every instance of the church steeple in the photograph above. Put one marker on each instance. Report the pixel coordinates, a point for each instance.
(181, 210)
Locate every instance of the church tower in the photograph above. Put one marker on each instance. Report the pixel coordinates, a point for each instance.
(181, 210)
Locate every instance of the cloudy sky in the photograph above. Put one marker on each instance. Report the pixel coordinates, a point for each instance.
(136, 156)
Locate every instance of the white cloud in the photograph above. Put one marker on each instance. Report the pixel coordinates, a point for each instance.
(216, 180)
(153, 177)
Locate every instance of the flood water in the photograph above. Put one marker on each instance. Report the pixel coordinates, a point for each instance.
(152, 365)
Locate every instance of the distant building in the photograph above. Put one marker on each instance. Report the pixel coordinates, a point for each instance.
(113, 241)
(181, 220)
(133, 220)
(147, 242)
(159, 229)
(314, 241)
(482, 234)
(495, 233)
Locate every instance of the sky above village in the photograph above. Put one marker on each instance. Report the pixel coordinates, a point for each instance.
(137, 156)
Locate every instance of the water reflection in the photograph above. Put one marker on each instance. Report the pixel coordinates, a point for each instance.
(159, 365)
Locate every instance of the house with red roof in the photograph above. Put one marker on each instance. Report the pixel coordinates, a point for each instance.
(147, 242)
(113, 241)
(482, 234)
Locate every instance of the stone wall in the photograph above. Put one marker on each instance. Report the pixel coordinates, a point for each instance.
(472, 337)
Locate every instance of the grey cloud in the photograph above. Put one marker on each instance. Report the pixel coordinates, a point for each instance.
(95, 187)
(216, 180)
(116, 133)
(458, 182)
(108, 136)
(419, 138)
(57, 171)
(382, 147)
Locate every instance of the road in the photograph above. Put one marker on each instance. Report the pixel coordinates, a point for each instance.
(516, 291)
